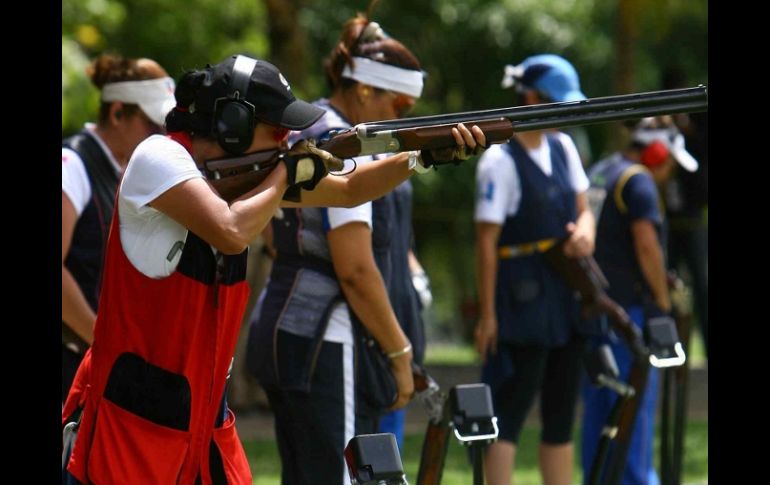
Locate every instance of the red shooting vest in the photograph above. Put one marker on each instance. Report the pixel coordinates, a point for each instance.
(151, 385)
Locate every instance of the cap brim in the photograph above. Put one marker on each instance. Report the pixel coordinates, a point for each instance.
(300, 114)
(684, 159)
(158, 110)
(681, 155)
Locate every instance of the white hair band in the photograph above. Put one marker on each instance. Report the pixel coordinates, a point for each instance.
(385, 76)
(154, 96)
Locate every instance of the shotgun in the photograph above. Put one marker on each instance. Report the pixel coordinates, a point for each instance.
(436, 443)
(237, 176)
(584, 276)
(434, 132)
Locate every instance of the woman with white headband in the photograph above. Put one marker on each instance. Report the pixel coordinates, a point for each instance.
(329, 286)
(136, 94)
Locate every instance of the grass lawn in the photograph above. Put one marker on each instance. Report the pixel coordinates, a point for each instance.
(465, 354)
(265, 464)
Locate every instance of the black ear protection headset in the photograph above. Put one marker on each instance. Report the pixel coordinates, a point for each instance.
(234, 117)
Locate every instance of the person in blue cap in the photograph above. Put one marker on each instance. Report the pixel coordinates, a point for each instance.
(630, 237)
(531, 194)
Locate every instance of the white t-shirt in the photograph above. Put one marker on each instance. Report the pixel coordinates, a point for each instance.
(151, 240)
(340, 328)
(498, 185)
(339, 216)
(74, 178)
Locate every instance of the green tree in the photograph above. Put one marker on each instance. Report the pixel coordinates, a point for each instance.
(179, 34)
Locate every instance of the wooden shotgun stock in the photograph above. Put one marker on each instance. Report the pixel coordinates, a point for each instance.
(637, 379)
(436, 443)
(233, 177)
(584, 276)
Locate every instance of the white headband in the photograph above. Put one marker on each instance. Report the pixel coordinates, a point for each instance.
(154, 96)
(385, 76)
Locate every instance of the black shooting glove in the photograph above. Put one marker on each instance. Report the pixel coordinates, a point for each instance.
(307, 164)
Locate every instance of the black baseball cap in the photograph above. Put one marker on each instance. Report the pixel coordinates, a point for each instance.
(268, 91)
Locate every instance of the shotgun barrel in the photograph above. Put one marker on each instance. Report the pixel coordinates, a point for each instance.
(431, 132)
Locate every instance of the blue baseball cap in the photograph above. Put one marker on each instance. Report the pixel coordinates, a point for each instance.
(549, 74)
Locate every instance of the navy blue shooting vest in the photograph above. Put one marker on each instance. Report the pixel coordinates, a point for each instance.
(403, 296)
(89, 239)
(384, 234)
(534, 306)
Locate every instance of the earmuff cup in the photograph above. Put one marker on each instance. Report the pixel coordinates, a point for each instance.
(235, 118)
(654, 154)
(234, 124)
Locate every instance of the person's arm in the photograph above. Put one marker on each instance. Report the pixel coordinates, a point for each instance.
(582, 232)
(640, 196)
(369, 181)
(372, 180)
(498, 193)
(649, 254)
(350, 246)
(75, 310)
(228, 227)
(485, 333)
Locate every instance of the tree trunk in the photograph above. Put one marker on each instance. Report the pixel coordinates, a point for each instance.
(626, 37)
(287, 45)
